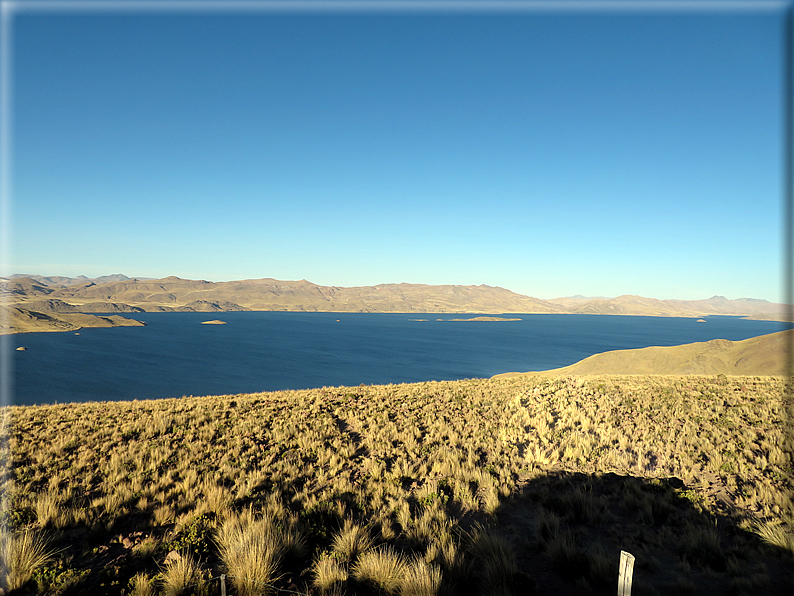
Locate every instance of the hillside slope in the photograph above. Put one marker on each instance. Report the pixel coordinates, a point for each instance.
(173, 293)
(14, 319)
(764, 355)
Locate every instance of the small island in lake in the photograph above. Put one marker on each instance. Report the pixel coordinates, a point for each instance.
(485, 319)
(213, 322)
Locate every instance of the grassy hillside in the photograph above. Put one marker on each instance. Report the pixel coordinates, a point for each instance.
(764, 355)
(502, 486)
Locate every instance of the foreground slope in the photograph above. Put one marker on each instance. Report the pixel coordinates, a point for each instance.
(764, 355)
(509, 486)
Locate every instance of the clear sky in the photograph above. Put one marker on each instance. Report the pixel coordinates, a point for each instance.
(596, 152)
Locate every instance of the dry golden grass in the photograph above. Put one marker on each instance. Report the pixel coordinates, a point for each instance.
(182, 575)
(351, 541)
(329, 573)
(251, 550)
(420, 579)
(21, 555)
(456, 487)
(763, 355)
(142, 585)
(382, 569)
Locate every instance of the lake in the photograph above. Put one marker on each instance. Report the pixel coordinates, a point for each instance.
(175, 355)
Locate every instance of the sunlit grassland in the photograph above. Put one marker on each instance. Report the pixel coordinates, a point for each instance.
(500, 486)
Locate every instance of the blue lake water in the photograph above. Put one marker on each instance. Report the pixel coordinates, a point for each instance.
(175, 355)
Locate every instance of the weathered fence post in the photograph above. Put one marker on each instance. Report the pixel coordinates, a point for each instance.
(625, 574)
(223, 585)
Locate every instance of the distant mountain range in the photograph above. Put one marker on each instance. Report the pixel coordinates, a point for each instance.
(119, 294)
(638, 305)
(58, 280)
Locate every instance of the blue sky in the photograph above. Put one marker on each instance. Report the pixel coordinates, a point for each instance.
(552, 153)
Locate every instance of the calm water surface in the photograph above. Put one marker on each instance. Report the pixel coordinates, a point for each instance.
(175, 355)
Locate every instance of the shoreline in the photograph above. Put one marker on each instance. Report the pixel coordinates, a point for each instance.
(481, 316)
(415, 386)
(760, 356)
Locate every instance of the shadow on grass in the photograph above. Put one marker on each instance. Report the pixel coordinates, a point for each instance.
(567, 531)
(561, 533)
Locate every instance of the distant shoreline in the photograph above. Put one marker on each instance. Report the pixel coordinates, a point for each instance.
(54, 322)
(480, 319)
(42, 304)
(269, 351)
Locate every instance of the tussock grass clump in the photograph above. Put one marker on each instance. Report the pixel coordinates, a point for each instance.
(328, 573)
(351, 541)
(21, 555)
(182, 575)
(601, 567)
(164, 515)
(547, 525)
(421, 579)
(775, 533)
(141, 585)
(702, 545)
(494, 562)
(563, 550)
(48, 509)
(251, 548)
(217, 499)
(146, 548)
(382, 568)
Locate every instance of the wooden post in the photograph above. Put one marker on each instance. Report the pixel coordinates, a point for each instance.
(625, 574)
(223, 585)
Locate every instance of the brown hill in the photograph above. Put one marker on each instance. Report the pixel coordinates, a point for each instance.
(272, 294)
(764, 355)
(173, 293)
(107, 307)
(205, 306)
(50, 305)
(22, 288)
(14, 319)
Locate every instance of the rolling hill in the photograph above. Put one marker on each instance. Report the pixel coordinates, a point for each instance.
(14, 319)
(766, 355)
(173, 293)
